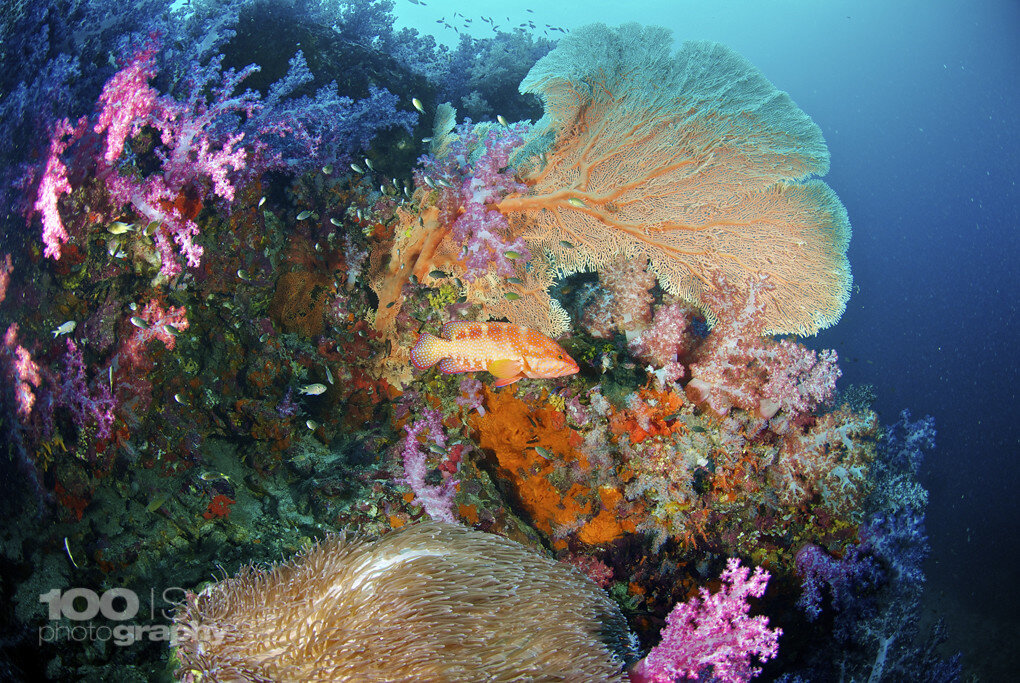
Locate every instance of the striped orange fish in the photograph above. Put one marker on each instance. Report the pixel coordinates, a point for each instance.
(510, 352)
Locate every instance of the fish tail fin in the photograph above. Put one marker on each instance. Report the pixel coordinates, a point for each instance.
(427, 351)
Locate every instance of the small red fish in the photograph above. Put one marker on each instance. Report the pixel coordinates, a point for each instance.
(510, 352)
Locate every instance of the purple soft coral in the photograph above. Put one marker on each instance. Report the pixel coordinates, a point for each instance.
(844, 576)
(475, 174)
(88, 407)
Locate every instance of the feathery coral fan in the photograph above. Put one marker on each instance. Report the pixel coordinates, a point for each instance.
(693, 161)
(429, 602)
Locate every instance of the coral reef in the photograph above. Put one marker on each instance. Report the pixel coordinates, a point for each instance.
(227, 240)
(630, 133)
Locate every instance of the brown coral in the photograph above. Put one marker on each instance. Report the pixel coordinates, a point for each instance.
(428, 602)
(299, 302)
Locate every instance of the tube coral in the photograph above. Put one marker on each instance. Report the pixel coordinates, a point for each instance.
(429, 602)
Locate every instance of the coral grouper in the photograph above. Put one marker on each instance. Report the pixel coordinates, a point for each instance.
(508, 351)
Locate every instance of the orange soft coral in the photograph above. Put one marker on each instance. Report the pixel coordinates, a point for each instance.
(531, 446)
(648, 413)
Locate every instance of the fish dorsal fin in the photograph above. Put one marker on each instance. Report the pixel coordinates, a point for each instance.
(451, 328)
(505, 369)
(454, 365)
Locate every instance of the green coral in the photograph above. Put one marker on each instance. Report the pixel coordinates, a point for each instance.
(444, 296)
(593, 352)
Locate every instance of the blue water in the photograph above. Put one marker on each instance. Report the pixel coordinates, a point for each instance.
(918, 104)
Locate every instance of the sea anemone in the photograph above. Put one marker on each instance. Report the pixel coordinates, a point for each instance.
(430, 602)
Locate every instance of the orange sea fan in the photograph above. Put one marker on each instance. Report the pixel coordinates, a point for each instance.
(691, 160)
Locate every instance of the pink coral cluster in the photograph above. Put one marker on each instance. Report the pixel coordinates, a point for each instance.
(155, 323)
(54, 184)
(189, 153)
(131, 364)
(737, 366)
(471, 395)
(665, 342)
(829, 459)
(592, 567)
(714, 632)
(436, 499)
(472, 177)
(193, 157)
(799, 378)
(22, 372)
(127, 101)
(624, 301)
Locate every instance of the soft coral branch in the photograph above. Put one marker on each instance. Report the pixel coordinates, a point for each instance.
(714, 632)
(127, 101)
(436, 499)
(54, 184)
(737, 366)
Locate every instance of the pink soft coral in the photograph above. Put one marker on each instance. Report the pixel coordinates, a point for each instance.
(666, 340)
(436, 499)
(127, 101)
(198, 159)
(21, 371)
(714, 631)
(190, 155)
(799, 378)
(153, 322)
(473, 175)
(738, 366)
(54, 184)
(623, 301)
